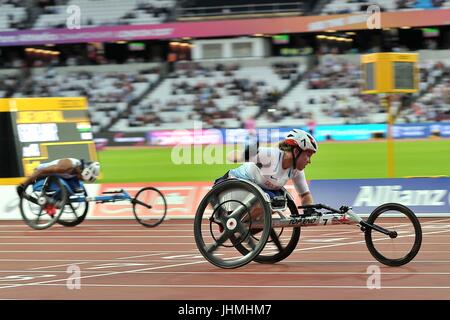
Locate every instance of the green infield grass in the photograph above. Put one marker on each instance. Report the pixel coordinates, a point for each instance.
(349, 160)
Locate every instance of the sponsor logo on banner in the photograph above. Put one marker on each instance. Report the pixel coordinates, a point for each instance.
(411, 131)
(370, 196)
(442, 128)
(185, 137)
(422, 195)
(182, 198)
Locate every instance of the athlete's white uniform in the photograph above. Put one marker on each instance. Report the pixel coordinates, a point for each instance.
(271, 175)
(75, 163)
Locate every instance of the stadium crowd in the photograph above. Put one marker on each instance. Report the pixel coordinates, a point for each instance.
(15, 14)
(351, 6)
(220, 95)
(204, 93)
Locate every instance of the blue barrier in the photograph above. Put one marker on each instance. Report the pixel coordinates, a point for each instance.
(346, 132)
(422, 195)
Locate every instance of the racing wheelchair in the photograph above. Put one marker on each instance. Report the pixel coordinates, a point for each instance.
(52, 199)
(238, 222)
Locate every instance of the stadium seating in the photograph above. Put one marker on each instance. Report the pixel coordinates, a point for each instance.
(12, 15)
(107, 12)
(350, 6)
(225, 95)
(433, 104)
(205, 9)
(219, 95)
(327, 100)
(8, 83)
(108, 92)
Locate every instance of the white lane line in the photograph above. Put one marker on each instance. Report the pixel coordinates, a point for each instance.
(81, 260)
(184, 256)
(160, 229)
(95, 243)
(53, 231)
(56, 266)
(150, 253)
(86, 229)
(118, 265)
(326, 240)
(189, 236)
(105, 274)
(192, 243)
(364, 261)
(87, 224)
(332, 234)
(84, 237)
(172, 223)
(142, 255)
(361, 242)
(234, 272)
(97, 251)
(161, 260)
(215, 286)
(366, 251)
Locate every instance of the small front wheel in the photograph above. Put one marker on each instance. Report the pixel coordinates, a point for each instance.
(405, 238)
(149, 207)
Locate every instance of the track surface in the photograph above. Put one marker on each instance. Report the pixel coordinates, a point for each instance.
(120, 259)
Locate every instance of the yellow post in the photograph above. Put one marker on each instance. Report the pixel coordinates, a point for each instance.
(390, 73)
(390, 139)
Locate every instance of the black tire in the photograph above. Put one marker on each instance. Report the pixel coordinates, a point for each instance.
(284, 251)
(407, 220)
(30, 209)
(73, 207)
(149, 217)
(233, 222)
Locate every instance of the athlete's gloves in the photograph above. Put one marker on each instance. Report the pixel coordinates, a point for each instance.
(20, 189)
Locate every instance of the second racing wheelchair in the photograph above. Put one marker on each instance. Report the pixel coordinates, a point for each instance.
(52, 199)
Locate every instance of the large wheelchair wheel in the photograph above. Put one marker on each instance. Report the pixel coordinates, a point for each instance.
(403, 244)
(40, 209)
(149, 207)
(228, 215)
(281, 243)
(75, 211)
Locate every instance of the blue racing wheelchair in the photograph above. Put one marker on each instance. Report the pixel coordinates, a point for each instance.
(53, 199)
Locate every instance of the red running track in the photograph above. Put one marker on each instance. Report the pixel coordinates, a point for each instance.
(120, 259)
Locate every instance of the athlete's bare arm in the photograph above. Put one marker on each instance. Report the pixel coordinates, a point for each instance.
(307, 198)
(63, 166)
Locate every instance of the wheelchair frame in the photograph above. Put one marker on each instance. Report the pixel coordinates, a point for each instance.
(311, 216)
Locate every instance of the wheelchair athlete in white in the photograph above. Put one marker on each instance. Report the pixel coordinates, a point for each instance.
(271, 168)
(251, 208)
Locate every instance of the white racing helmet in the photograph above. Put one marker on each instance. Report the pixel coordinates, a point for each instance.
(301, 139)
(90, 171)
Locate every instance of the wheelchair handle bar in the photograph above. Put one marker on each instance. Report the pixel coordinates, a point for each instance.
(320, 206)
(113, 192)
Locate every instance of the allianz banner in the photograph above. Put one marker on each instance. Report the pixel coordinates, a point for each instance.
(422, 195)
